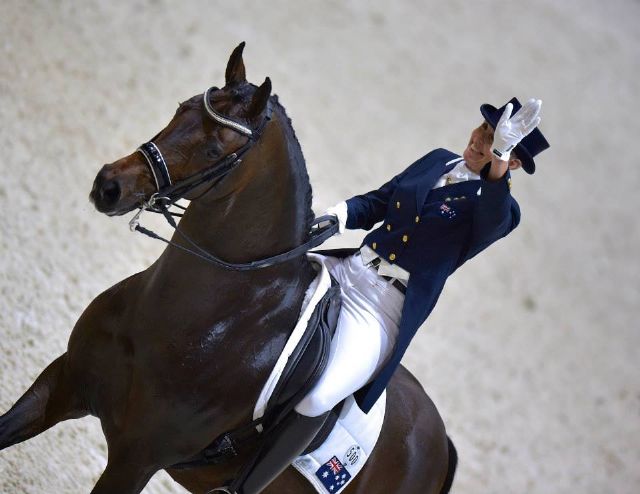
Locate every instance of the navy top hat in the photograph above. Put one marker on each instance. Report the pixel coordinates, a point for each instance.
(530, 146)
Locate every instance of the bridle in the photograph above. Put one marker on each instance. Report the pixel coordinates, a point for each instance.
(169, 192)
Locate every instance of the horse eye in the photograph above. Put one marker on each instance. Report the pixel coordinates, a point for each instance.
(212, 153)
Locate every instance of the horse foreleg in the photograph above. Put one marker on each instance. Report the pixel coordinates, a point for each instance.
(124, 475)
(49, 400)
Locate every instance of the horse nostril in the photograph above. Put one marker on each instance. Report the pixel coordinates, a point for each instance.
(110, 192)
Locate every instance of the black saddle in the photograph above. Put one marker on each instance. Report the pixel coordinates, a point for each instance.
(303, 369)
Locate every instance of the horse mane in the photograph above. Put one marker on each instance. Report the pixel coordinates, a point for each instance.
(299, 164)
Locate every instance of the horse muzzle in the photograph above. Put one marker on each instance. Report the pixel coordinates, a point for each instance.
(109, 193)
(105, 192)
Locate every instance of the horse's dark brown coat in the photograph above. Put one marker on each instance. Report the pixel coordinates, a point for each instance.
(175, 355)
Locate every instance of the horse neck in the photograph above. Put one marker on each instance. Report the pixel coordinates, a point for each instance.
(263, 211)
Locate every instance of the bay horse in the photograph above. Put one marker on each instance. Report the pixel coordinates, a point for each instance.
(173, 356)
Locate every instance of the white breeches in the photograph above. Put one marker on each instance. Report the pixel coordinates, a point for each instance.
(365, 335)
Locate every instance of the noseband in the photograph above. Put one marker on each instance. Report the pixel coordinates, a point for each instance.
(168, 193)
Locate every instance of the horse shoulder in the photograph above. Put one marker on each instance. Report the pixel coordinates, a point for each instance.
(100, 349)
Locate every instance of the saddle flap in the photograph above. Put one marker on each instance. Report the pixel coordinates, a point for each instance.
(309, 359)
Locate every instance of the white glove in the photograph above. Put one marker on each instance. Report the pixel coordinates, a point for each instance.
(510, 131)
(340, 211)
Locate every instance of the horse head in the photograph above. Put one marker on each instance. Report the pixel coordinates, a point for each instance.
(206, 129)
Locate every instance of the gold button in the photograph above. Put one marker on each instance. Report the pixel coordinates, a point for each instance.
(449, 179)
(374, 245)
(405, 238)
(392, 257)
(417, 219)
(398, 204)
(389, 228)
(509, 183)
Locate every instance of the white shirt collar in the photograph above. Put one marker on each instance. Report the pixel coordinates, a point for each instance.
(459, 173)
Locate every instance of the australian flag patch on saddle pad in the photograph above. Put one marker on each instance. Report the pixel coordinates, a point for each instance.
(333, 475)
(331, 467)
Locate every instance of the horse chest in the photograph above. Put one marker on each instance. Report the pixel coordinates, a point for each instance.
(135, 358)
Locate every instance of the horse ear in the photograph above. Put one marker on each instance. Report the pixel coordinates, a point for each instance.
(259, 99)
(235, 67)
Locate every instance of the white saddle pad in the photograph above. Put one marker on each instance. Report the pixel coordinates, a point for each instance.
(332, 466)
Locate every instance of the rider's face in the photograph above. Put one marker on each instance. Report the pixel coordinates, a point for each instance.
(478, 150)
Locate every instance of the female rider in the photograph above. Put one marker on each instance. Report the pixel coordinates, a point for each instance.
(438, 213)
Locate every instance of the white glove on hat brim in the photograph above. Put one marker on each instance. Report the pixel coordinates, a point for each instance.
(510, 130)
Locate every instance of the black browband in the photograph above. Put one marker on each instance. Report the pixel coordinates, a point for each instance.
(168, 193)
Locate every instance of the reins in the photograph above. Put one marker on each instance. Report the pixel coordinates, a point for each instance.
(319, 234)
(168, 193)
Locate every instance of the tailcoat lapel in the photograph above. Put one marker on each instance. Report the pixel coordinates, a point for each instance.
(427, 181)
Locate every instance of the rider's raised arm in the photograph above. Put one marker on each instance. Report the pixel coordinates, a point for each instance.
(497, 212)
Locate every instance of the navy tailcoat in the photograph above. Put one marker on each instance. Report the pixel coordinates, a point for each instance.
(430, 233)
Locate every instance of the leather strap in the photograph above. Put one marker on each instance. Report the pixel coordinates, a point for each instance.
(375, 264)
(157, 164)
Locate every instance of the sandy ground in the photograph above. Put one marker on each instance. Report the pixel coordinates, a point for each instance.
(532, 352)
